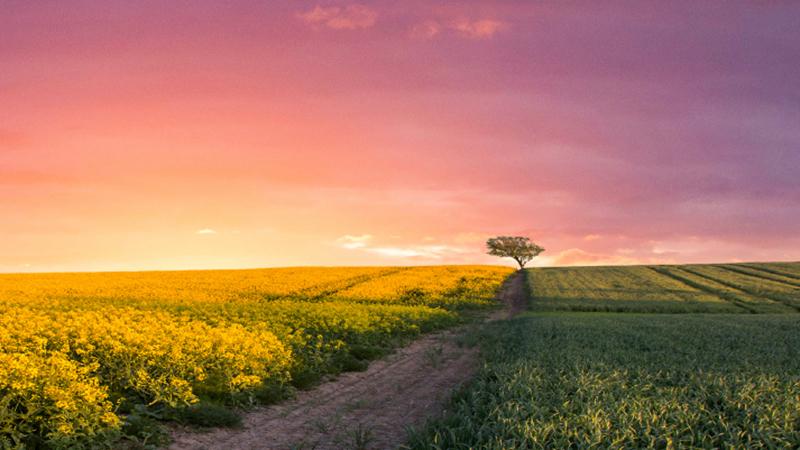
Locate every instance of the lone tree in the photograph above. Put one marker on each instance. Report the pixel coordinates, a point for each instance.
(518, 247)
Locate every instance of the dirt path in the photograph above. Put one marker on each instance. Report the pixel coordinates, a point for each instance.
(514, 296)
(363, 410)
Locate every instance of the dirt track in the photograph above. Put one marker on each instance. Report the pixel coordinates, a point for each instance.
(371, 409)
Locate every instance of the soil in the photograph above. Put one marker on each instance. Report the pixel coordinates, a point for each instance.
(373, 409)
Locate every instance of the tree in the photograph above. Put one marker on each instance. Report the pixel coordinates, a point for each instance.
(520, 248)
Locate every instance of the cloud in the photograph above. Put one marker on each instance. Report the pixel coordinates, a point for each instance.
(395, 252)
(591, 237)
(353, 242)
(206, 231)
(364, 243)
(477, 29)
(350, 17)
(426, 29)
(418, 251)
(466, 28)
(578, 257)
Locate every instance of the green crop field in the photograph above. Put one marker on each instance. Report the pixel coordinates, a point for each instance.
(575, 373)
(729, 288)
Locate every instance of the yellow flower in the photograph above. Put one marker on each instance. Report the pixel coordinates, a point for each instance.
(67, 340)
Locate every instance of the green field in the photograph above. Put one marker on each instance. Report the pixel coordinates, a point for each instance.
(722, 288)
(714, 376)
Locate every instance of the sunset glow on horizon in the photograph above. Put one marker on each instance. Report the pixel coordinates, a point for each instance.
(192, 135)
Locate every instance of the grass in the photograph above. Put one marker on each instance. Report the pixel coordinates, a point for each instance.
(359, 438)
(434, 356)
(705, 356)
(578, 380)
(209, 415)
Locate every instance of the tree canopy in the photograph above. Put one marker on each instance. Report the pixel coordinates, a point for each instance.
(520, 248)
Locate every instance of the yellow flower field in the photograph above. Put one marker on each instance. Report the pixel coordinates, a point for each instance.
(77, 350)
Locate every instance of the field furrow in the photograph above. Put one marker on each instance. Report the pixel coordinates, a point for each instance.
(749, 272)
(622, 289)
(329, 289)
(438, 286)
(783, 269)
(693, 288)
(756, 288)
(710, 288)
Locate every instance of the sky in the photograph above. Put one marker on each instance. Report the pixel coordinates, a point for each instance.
(203, 134)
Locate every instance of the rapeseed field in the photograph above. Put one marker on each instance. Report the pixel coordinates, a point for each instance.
(82, 353)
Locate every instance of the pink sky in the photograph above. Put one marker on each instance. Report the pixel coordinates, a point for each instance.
(155, 135)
